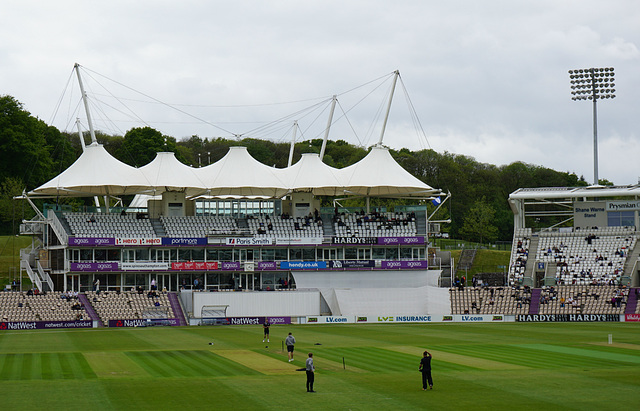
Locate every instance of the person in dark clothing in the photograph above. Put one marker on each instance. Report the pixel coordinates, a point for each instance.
(425, 369)
(265, 327)
(311, 369)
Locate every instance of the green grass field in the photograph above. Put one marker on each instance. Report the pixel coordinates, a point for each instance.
(567, 366)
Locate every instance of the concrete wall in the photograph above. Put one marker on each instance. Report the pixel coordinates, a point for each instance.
(259, 303)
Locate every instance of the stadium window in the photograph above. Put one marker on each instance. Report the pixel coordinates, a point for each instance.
(350, 254)
(129, 280)
(621, 218)
(128, 256)
(184, 254)
(246, 254)
(212, 255)
(405, 253)
(142, 254)
(197, 254)
(268, 280)
(391, 253)
(101, 255)
(113, 255)
(330, 254)
(268, 254)
(213, 280)
(86, 255)
(418, 253)
(225, 255)
(74, 255)
(378, 253)
(309, 254)
(141, 280)
(295, 254)
(162, 255)
(225, 280)
(112, 280)
(365, 253)
(281, 254)
(85, 282)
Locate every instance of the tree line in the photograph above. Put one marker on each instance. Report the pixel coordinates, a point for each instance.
(32, 153)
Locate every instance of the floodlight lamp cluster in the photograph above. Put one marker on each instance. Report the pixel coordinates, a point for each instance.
(592, 83)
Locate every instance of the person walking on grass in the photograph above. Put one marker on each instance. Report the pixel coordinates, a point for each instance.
(289, 342)
(311, 369)
(425, 370)
(265, 327)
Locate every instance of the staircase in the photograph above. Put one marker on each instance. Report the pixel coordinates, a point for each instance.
(327, 225)
(158, 227)
(421, 223)
(632, 257)
(531, 260)
(466, 260)
(632, 301)
(534, 307)
(88, 308)
(177, 308)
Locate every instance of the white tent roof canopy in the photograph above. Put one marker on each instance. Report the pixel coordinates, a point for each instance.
(95, 172)
(166, 173)
(237, 174)
(379, 175)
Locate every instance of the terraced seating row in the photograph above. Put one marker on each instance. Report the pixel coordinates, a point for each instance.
(593, 256)
(490, 300)
(519, 254)
(201, 226)
(129, 305)
(388, 224)
(18, 306)
(583, 299)
(287, 227)
(108, 225)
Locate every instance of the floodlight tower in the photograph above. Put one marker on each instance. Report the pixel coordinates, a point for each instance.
(593, 84)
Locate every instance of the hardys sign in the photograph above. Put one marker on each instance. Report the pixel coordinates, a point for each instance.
(568, 317)
(354, 240)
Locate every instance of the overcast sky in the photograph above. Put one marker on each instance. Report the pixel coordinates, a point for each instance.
(487, 79)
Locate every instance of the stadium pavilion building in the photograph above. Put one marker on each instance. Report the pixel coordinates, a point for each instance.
(239, 225)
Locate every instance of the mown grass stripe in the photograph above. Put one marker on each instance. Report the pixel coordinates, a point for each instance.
(25, 367)
(530, 357)
(47, 371)
(583, 352)
(195, 363)
(45, 366)
(81, 367)
(34, 369)
(151, 361)
(381, 360)
(187, 363)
